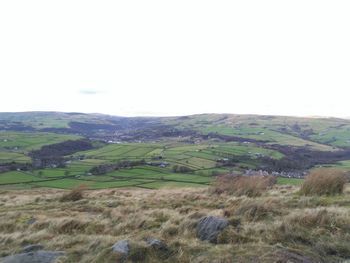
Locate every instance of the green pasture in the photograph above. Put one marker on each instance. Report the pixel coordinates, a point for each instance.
(28, 141)
(89, 184)
(264, 134)
(201, 159)
(16, 177)
(7, 157)
(345, 165)
(335, 137)
(289, 181)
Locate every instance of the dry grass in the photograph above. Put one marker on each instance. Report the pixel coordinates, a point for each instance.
(324, 182)
(277, 226)
(74, 195)
(238, 185)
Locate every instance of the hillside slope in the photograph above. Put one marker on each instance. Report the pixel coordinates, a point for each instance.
(155, 152)
(280, 226)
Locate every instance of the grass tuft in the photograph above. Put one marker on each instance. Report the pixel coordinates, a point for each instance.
(324, 182)
(238, 185)
(75, 194)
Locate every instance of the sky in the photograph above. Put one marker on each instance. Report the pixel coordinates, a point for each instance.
(160, 58)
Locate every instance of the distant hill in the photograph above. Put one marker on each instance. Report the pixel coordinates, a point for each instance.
(317, 133)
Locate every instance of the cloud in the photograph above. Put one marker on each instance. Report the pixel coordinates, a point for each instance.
(90, 92)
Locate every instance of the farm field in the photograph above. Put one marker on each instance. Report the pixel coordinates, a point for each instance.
(160, 159)
(267, 135)
(23, 142)
(186, 151)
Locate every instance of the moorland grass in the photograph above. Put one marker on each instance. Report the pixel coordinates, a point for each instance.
(324, 182)
(238, 185)
(277, 226)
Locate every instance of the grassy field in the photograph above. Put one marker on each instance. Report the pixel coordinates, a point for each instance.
(325, 133)
(6, 157)
(201, 159)
(278, 226)
(289, 181)
(23, 142)
(41, 120)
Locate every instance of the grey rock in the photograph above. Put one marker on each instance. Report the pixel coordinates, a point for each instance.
(122, 247)
(156, 244)
(31, 221)
(31, 248)
(40, 256)
(209, 227)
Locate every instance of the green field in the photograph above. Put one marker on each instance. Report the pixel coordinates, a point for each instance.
(289, 181)
(165, 156)
(344, 165)
(23, 142)
(6, 157)
(17, 178)
(201, 159)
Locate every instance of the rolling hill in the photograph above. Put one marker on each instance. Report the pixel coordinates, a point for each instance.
(153, 152)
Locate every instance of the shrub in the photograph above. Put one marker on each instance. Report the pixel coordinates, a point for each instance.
(74, 195)
(324, 182)
(238, 185)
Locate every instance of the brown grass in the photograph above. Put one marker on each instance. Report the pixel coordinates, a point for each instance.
(238, 185)
(324, 182)
(74, 195)
(257, 210)
(276, 227)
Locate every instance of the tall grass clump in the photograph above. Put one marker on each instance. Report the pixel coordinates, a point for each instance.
(73, 195)
(324, 182)
(238, 185)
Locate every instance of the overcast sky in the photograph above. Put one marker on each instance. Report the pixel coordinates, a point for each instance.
(176, 57)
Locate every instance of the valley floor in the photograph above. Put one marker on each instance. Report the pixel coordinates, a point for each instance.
(280, 226)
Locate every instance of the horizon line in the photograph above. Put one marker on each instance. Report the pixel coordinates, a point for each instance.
(175, 115)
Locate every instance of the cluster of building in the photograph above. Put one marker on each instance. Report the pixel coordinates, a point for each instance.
(291, 174)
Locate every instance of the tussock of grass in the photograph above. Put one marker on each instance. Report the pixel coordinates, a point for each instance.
(75, 194)
(324, 182)
(320, 218)
(238, 185)
(230, 235)
(257, 210)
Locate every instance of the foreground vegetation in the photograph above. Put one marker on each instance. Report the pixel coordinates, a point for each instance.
(278, 225)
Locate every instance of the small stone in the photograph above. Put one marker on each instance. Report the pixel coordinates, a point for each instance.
(31, 248)
(156, 244)
(122, 247)
(31, 221)
(40, 256)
